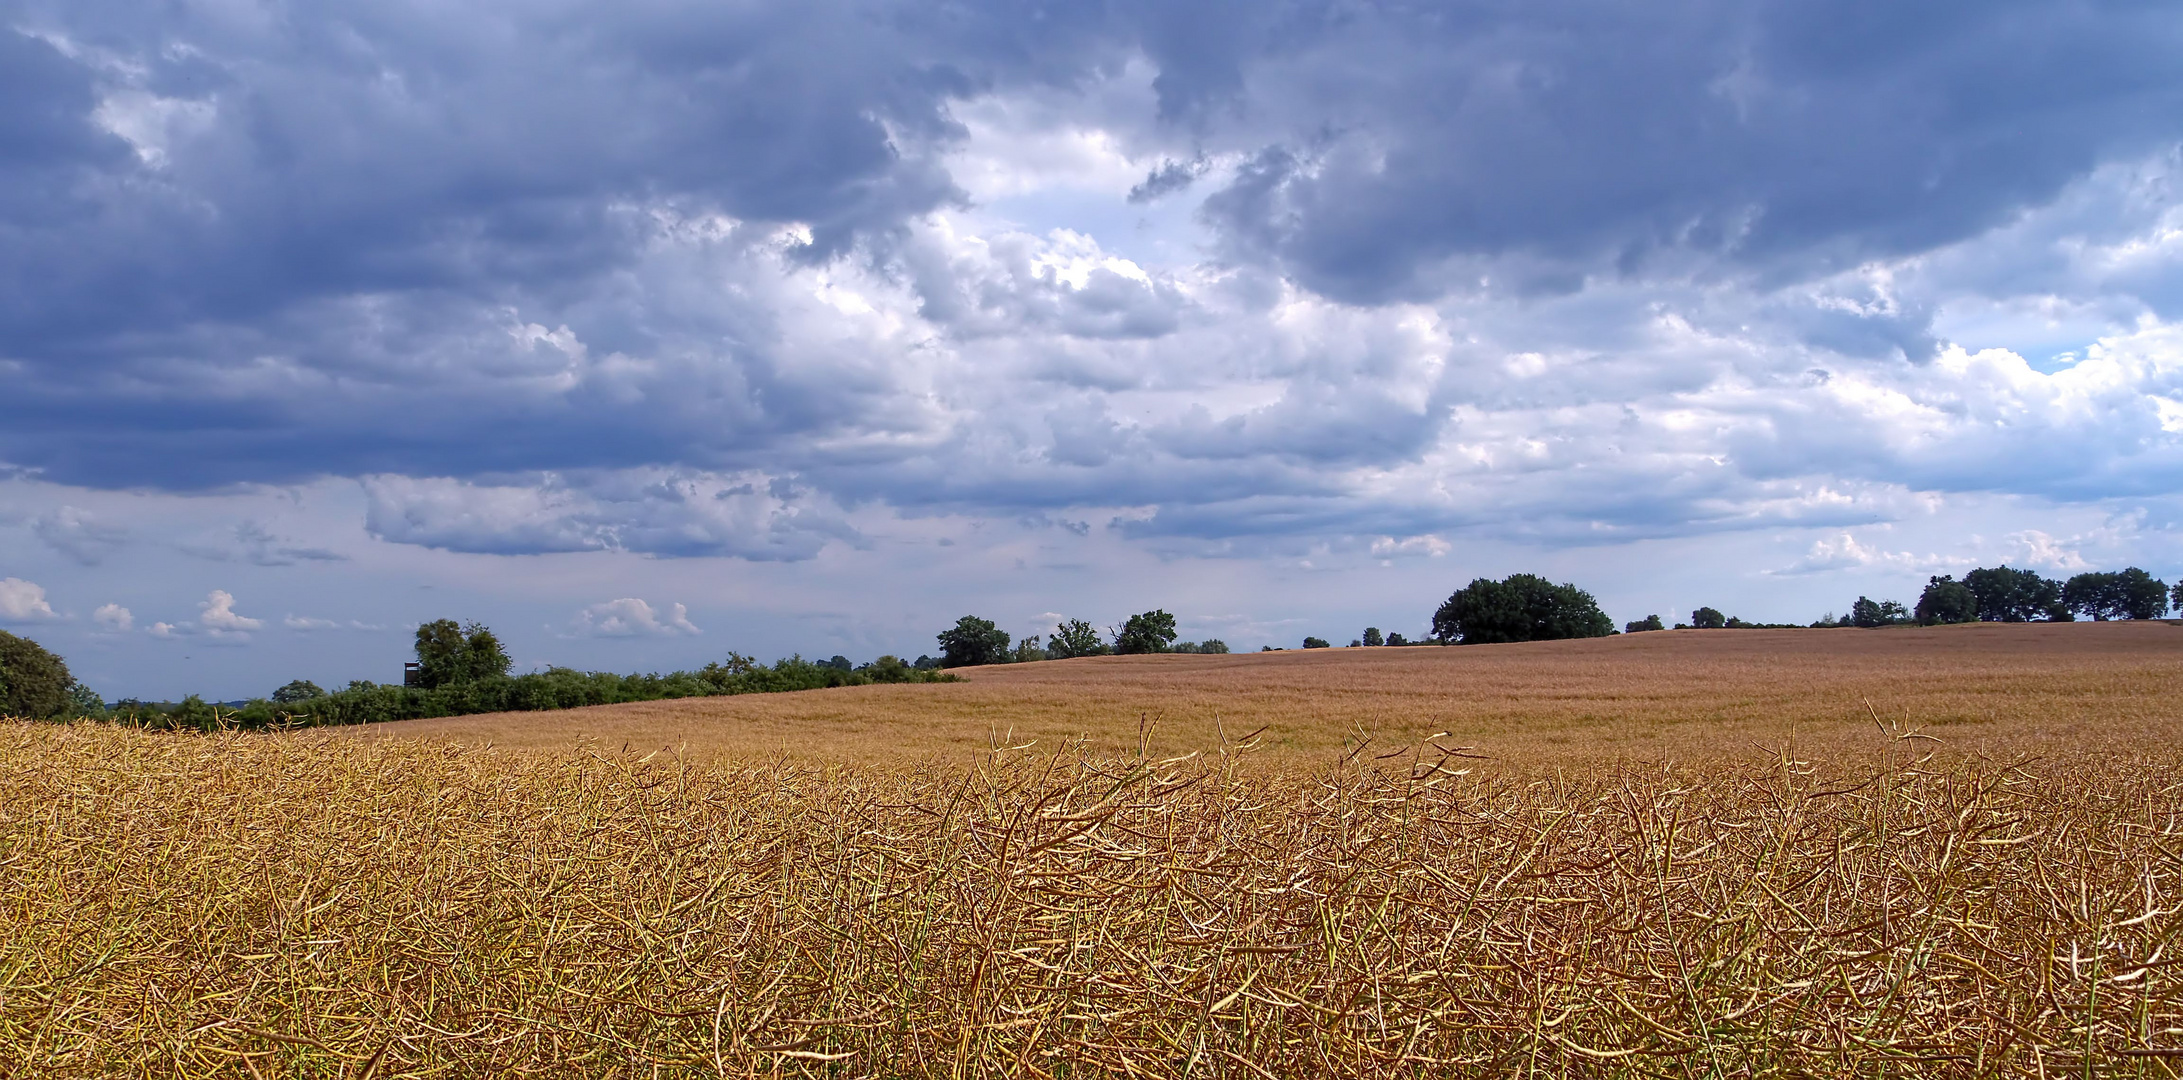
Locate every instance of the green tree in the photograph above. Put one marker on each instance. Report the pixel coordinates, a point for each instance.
(1316, 643)
(972, 642)
(1870, 613)
(1073, 639)
(1150, 632)
(1706, 618)
(2130, 594)
(1520, 607)
(1027, 651)
(450, 655)
(84, 701)
(2006, 595)
(34, 683)
(1372, 637)
(1946, 601)
(1396, 638)
(299, 690)
(1649, 622)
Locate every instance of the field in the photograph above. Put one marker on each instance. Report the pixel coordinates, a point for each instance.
(1680, 695)
(1616, 881)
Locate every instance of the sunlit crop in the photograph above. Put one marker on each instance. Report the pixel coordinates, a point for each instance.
(306, 905)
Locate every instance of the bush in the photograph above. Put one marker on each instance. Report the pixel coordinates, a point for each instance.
(1649, 622)
(33, 682)
(1521, 607)
(1316, 643)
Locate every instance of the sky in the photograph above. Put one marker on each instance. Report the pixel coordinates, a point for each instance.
(649, 330)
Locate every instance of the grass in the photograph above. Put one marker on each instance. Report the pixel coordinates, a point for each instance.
(1681, 695)
(313, 904)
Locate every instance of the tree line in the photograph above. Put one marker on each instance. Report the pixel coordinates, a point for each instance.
(974, 642)
(461, 669)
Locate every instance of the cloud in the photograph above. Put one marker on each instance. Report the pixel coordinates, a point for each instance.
(78, 534)
(1182, 276)
(2036, 548)
(630, 617)
(307, 624)
(253, 543)
(24, 602)
(652, 512)
(217, 616)
(114, 619)
(1843, 551)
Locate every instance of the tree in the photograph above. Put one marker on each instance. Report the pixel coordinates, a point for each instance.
(1316, 643)
(1946, 601)
(1520, 607)
(299, 690)
(1150, 632)
(1027, 651)
(972, 642)
(1372, 637)
(1706, 618)
(84, 701)
(2131, 594)
(2006, 595)
(450, 655)
(1649, 622)
(1396, 638)
(33, 682)
(1073, 639)
(1870, 613)
(2144, 596)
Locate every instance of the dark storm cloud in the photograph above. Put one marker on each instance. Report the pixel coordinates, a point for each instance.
(249, 244)
(1791, 137)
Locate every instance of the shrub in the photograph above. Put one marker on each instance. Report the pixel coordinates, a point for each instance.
(1649, 622)
(1316, 643)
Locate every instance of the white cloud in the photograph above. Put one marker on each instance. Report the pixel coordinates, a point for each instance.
(168, 631)
(114, 619)
(1845, 552)
(218, 616)
(631, 617)
(304, 624)
(22, 601)
(2036, 548)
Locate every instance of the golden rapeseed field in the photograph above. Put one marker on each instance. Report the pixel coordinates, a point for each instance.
(1620, 862)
